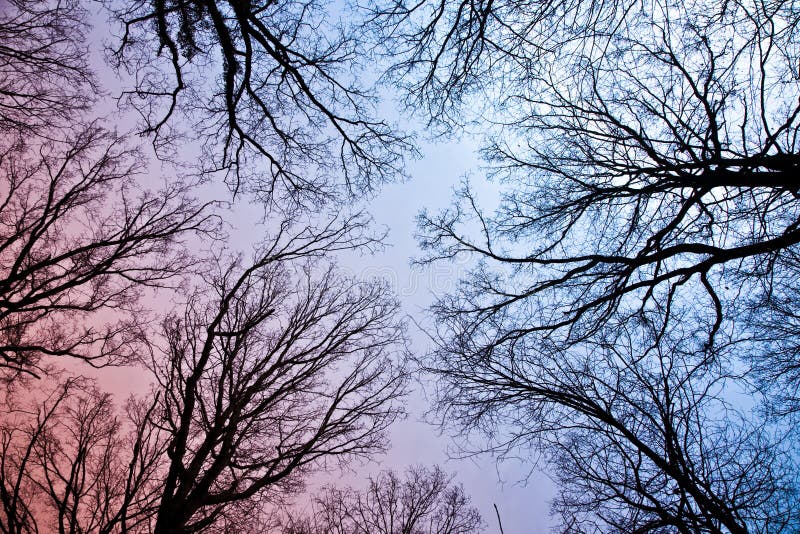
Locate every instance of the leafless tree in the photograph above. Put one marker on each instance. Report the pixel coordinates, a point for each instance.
(288, 105)
(70, 465)
(424, 501)
(79, 241)
(275, 369)
(642, 436)
(650, 214)
(45, 79)
(19, 437)
(79, 236)
(619, 202)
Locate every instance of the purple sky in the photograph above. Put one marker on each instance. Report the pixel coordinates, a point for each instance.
(523, 506)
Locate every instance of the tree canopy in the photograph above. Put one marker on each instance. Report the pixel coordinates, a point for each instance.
(630, 312)
(286, 112)
(262, 370)
(628, 318)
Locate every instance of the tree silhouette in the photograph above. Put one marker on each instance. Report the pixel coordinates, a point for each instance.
(423, 501)
(69, 464)
(45, 79)
(275, 367)
(272, 370)
(635, 199)
(78, 242)
(647, 233)
(287, 115)
(80, 237)
(640, 440)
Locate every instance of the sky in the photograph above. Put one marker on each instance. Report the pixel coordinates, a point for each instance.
(519, 489)
(517, 486)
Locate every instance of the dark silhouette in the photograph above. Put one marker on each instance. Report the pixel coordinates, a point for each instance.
(641, 265)
(272, 370)
(45, 80)
(79, 241)
(635, 437)
(290, 117)
(275, 367)
(79, 238)
(69, 464)
(423, 501)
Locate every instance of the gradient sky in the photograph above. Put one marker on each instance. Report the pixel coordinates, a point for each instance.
(523, 505)
(517, 485)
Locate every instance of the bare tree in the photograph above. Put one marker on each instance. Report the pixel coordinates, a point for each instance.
(619, 202)
(642, 435)
(45, 79)
(274, 369)
(79, 237)
(79, 241)
(288, 106)
(644, 250)
(424, 501)
(19, 437)
(70, 465)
